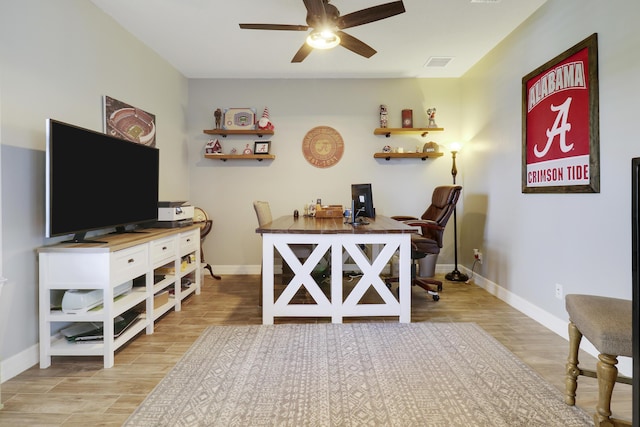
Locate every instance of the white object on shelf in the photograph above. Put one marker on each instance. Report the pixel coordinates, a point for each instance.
(82, 300)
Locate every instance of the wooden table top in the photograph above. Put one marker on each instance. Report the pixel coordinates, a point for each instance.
(310, 225)
(115, 242)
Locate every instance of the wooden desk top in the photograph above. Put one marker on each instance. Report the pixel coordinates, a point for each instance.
(310, 225)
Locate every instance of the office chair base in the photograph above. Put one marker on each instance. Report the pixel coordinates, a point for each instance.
(432, 286)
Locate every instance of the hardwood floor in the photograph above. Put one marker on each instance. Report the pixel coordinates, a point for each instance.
(79, 392)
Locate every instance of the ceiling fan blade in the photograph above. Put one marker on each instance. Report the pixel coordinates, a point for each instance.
(371, 14)
(355, 45)
(302, 53)
(284, 27)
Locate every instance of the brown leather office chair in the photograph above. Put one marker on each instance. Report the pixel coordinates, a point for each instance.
(428, 243)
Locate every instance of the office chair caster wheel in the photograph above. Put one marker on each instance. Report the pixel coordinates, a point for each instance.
(436, 297)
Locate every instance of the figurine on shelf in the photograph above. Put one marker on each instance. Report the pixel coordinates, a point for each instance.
(234, 151)
(265, 122)
(386, 149)
(383, 116)
(218, 115)
(247, 150)
(213, 147)
(431, 115)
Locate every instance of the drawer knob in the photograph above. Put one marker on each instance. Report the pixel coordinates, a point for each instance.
(131, 260)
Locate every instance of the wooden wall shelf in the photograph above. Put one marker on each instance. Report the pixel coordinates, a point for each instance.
(405, 131)
(423, 156)
(225, 157)
(225, 132)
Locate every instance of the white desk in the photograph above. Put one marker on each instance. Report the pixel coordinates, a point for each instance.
(331, 234)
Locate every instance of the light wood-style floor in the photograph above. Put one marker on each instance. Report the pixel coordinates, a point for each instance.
(79, 392)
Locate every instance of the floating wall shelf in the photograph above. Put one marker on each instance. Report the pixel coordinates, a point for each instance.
(225, 132)
(423, 156)
(405, 131)
(225, 157)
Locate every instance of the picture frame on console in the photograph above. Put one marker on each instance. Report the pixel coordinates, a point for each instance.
(560, 123)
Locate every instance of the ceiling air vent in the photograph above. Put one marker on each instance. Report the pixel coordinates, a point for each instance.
(438, 61)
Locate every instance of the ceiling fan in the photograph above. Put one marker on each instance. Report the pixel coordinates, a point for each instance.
(326, 26)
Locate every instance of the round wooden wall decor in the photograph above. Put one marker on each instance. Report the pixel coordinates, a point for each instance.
(323, 146)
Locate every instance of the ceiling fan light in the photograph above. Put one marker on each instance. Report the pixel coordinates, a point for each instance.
(323, 39)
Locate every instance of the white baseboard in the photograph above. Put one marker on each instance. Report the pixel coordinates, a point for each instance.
(236, 269)
(19, 363)
(546, 319)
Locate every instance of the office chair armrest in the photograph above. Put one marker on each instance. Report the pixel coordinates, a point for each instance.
(403, 218)
(423, 223)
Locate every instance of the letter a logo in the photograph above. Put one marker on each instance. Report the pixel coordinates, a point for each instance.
(560, 128)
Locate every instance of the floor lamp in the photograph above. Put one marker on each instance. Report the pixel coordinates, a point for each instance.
(455, 275)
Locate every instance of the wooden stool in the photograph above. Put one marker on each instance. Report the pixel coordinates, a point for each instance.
(607, 324)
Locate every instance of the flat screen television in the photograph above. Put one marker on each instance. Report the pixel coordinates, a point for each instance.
(95, 181)
(362, 199)
(635, 275)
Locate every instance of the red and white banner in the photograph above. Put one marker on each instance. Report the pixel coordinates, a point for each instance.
(558, 123)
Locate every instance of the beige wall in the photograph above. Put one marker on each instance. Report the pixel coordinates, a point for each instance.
(533, 241)
(226, 189)
(57, 60)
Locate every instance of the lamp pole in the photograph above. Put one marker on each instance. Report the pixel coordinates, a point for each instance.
(455, 275)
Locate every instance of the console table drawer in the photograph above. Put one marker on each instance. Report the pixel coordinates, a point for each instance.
(130, 263)
(163, 250)
(189, 242)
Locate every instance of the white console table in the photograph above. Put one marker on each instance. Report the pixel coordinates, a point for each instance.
(104, 266)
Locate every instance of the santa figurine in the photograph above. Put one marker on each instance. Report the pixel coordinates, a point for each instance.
(265, 122)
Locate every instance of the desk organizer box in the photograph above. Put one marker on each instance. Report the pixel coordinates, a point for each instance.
(329, 211)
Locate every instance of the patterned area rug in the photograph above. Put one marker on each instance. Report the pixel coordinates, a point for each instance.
(355, 374)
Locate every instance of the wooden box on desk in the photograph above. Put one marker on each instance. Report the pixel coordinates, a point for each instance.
(329, 211)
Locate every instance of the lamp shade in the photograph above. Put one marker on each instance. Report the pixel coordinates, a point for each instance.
(455, 146)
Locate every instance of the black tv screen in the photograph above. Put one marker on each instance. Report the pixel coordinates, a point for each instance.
(362, 198)
(95, 181)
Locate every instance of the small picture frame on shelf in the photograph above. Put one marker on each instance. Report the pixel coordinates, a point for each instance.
(262, 147)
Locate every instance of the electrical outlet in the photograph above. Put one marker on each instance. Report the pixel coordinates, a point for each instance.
(559, 291)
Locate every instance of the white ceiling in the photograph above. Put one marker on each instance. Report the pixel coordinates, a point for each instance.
(202, 39)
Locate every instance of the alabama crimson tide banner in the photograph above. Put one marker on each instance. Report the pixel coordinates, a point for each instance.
(560, 151)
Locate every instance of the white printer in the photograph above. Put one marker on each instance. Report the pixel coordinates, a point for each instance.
(174, 214)
(80, 301)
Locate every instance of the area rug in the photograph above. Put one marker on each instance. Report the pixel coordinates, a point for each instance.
(355, 374)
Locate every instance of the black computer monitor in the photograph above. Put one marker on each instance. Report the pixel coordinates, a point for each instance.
(362, 201)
